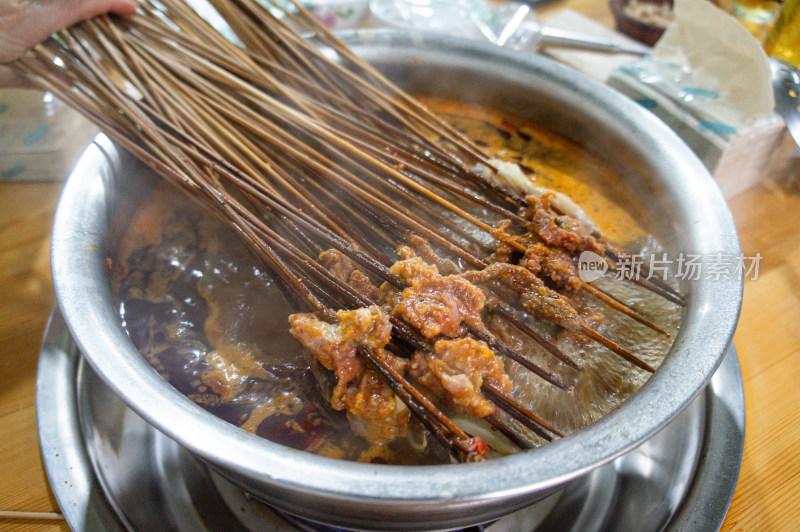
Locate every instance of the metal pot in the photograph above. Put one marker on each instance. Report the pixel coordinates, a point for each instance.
(663, 173)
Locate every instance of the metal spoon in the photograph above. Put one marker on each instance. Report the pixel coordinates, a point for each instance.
(524, 31)
(786, 85)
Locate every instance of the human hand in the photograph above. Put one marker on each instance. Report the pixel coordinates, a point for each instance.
(26, 23)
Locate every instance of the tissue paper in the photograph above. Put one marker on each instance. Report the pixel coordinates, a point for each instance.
(716, 53)
(709, 80)
(40, 137)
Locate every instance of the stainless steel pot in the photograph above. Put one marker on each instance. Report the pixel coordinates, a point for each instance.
(670, 186)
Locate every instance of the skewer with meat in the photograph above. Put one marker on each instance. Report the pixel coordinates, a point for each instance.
(552, 264)
(570, 233)
(559, 222)
(558, 230)
(436, 304)
(537, 299)
(552, 246)
(373, 410)
(457, 369)
(454, 370)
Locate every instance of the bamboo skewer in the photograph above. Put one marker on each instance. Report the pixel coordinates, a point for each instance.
(522, 413)
(433, 418)
(501, 347)
(628, 311)
(621, 307)
(507, 314)
(44, 516)
(618, 349)
(652, 283)
(514, 436)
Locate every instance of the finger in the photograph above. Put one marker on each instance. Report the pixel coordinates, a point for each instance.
(90, 8)
(25, 25)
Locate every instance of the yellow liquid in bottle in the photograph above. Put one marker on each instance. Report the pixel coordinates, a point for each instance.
(784, 39)
(758, 16)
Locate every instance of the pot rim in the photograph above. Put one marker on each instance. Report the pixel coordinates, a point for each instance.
(80, 280)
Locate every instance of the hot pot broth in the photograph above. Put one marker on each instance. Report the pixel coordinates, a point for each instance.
(206, 316)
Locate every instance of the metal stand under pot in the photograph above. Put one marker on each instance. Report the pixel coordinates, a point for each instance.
(110, 470)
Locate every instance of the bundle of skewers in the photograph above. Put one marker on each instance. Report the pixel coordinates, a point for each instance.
(398, 242)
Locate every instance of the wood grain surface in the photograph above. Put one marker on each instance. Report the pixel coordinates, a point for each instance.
(767, 340)
(26, 300)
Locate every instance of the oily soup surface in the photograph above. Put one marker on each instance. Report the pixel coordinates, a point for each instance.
(213, 323)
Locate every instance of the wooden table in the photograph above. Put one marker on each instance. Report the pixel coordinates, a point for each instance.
(26, 300)
(767, 341)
